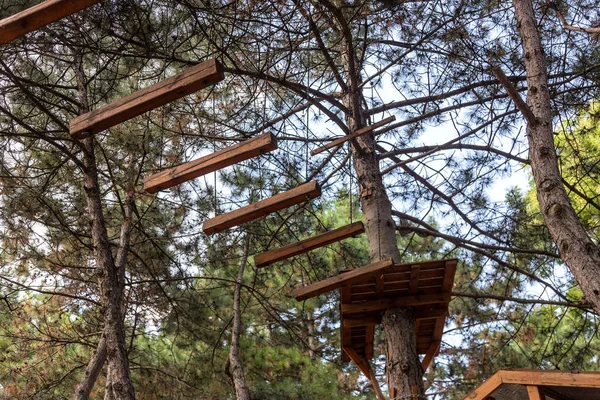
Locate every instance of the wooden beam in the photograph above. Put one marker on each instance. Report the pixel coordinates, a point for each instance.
(552, 378)
(431, 351)
(414, 279)
(304, 246)
(384, 304)
(535, 393)
(364, 321)
(39, 16)
(486, 388)
(189, 81)
(210, 163)
(261, 208)
(360, 132)
(366, 369)
(337, 281)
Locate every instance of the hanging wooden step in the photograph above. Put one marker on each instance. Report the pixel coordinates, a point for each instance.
(210, 163)
(338, 281)
(189, 81)
(261, 208)
(306, 245)
(360, 132)
(39, 16)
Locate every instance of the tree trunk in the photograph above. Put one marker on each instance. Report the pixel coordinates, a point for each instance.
(380, 229)
(111, 275)
(576, 248)
(92, 370)
(239, 379)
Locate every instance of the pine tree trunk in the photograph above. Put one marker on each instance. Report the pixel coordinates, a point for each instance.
(92, 370)
(237, 368)
(111, 274)
(381, 234)
(576, 248)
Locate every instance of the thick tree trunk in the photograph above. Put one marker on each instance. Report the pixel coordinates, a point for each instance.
(380, 229)
(399, 328)
(576, 248)
(237, 369)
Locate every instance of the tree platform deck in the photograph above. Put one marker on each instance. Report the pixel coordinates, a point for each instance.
(210, 163)
(368, 291)
(189, 81)
(39, 16)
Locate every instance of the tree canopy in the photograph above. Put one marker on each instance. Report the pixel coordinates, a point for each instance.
(105, 285)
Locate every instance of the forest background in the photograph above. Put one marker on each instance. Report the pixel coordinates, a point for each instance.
(289, 67)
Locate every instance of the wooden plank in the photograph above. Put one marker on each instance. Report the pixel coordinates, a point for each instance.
(39, 16)
(210, 163)
(383, 304)
(374, 319)
(448, 281)
(535, 393)
(369, 339)
(189, 81)
(306, 245)
(345, 336)
(261, 208)
(337, 281)
(360, 132)
(414, 279)
(552, 378)
(431, 352)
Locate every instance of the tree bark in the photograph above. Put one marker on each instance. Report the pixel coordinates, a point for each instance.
(401, 352)
(92, 370)
(380, 229)
(239, 378)
(111, 274)
(576, 248)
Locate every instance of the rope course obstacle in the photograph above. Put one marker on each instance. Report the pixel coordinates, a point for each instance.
(39, 16)
(189, 81)
(306, 245)
(368, 291)
(211, 163)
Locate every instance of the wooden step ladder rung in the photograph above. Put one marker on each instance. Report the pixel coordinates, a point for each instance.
(38, 16)
(210, 163)
(261, 208)
(306, 245)
(189, 81)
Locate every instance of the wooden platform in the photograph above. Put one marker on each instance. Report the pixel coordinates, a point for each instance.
(369, 290)
(210, 163)
(261, 208)
(189, 81)
(426, 286)
(39, 16)
(306, 245)
(523, 384)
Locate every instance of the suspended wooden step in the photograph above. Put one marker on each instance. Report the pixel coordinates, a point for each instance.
(304, 246)
(189, 81)
(261, 208)
(335, 282)
(368, 291)
(210, 163)
(360, 132)
(39, 16)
